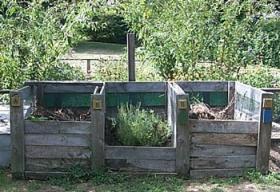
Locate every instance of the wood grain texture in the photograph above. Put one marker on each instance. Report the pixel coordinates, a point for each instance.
(206, 173)
(203, 86)
(140, 153)
(17, 138)
(223, 126)
(79, 140)
(43, 175)
(49, 165)
(57, 127)
(55, 152)
(223, 162)
(198, 150)
(98, 132)
(225, 139)
(264, 140)
(124, 87)
(141, 165)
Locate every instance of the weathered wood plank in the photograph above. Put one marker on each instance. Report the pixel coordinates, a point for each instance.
(203, 86)
(225, 139)
(59, 127)
(140, 153)
(221, 150)
(248, 91)
(264, 138)
(182, 136)
(49, 165)
(223, 126)
(124, 87)
(41, 175)
(223, 162)
(131, 56)
(17, 137)
(141, 165)
(55, 152)
(231, 99)
(5, 157)
(204, 173)
(98, 131)
(70, 88)
(79, 140)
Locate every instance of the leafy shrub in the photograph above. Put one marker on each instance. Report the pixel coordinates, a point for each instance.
(136, 126)
(117, 70)
(178, 36)
(34, 34)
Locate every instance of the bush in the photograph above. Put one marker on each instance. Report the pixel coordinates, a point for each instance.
(136, 126)
(34, 34)
(117, 70)
(178, 36)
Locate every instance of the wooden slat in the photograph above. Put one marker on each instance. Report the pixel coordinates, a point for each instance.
(70, 88)
(204, 173)
(223, 126)
(49, 165)
(264, 139)
(225, 139)
(248, 91)
(203, 86)
(17, 138)
(141, 165)
(54, 152)
(57, 127)
(223, 162)
(124, 87)
(79, 140)
(231, 99)
(41, 175)
(221, 150)
(140, 153)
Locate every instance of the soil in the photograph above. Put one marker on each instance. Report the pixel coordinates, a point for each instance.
(203, 111)
(62, 114)
(274, 159)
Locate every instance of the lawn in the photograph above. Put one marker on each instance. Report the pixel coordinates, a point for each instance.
(112, 182)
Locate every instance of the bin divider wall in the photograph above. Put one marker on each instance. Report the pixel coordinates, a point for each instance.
(17, 99)
(98, 107)
(178, 107)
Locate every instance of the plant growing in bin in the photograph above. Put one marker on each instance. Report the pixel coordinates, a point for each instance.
(139, 127)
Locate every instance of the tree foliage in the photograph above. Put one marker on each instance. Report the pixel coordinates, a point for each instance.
(205, 39)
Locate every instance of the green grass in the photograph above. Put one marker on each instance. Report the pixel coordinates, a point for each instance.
(83, 181)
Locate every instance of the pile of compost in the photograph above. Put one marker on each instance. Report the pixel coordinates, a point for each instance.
(204, 111)
(61, 114)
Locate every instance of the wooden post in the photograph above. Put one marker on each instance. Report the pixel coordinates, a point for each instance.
(231, 98)
(88, 67)
(182, 135)
(17, 134)
(264, 134)
(97, 132)
(131, 56)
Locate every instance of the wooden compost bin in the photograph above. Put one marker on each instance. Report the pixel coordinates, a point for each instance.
(227, 148)
(151, 95)
(43, 148)
(200, 148)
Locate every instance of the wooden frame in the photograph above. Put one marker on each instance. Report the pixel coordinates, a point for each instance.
(199, 147)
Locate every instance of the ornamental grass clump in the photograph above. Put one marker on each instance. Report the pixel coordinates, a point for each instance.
(138, 127)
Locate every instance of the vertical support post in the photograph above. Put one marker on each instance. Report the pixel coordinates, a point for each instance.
(131, 56)
(182, 135)
(231, 98)
(97, 130)
(17, 134)
(264, 133)
(88, 67)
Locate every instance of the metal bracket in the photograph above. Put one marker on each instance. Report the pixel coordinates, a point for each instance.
(182, 104)
(97, 104)
(15, 101)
